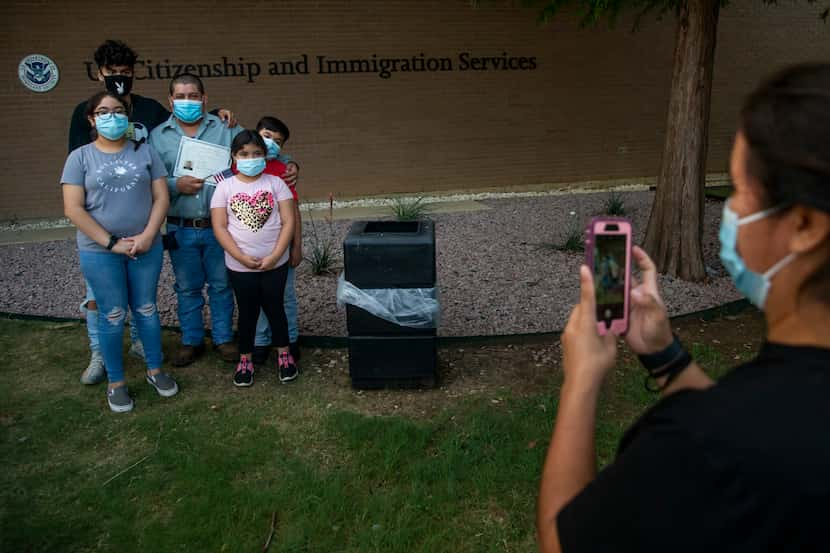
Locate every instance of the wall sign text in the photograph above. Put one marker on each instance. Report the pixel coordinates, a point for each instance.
(383, 67)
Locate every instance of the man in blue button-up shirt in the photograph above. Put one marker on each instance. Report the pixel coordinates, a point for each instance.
(199, 258)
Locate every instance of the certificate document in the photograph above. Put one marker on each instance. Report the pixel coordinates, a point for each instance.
(200, 159)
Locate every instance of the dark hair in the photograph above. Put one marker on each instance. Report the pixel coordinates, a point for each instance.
(96, 98)
(187, 78)
(275, 125)
(247, 137)
(786, 123)
(115, 52)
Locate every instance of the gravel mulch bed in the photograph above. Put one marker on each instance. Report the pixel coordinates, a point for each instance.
(498, 270)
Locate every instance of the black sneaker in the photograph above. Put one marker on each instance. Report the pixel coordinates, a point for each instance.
(260, 355)
(294, 350)
(286, 367)
(244, 375)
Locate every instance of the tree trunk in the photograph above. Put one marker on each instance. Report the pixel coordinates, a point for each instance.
(675, 228)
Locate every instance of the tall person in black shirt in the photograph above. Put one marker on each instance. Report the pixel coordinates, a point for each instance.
(742, 464)
(116, 66)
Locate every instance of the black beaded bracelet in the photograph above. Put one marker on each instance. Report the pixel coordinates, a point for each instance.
(654, 361)
(670, 371)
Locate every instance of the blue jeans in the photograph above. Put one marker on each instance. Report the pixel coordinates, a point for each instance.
(91, 317)
(118, 282)
(200, 259)
(263, 331)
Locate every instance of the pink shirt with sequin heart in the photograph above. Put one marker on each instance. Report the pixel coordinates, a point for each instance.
(253, 216)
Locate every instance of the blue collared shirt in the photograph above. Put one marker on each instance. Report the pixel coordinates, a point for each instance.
(165, 139)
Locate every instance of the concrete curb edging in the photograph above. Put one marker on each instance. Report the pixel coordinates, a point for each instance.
(710, 313)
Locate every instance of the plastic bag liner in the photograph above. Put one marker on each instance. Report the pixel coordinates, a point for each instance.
(412, 307)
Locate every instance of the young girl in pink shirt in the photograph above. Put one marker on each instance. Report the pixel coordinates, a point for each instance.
(253, 220)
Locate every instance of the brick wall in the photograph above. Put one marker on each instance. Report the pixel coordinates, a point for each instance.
(594, 107)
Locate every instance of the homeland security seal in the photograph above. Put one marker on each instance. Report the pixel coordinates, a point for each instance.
(38, 73)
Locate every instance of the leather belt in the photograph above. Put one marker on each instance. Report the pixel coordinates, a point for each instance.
(192, 223)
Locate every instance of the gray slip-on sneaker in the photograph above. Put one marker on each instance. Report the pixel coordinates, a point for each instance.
(119, 400)
(163, 383)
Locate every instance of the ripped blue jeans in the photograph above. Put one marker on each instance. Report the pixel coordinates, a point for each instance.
(119, 282)
(91, 316)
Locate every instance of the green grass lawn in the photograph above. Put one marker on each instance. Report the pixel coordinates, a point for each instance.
(215, 463)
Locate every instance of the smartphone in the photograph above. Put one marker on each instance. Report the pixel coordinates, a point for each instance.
(608, 255)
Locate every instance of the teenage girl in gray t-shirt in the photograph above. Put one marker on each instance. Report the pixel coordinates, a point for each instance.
(115, 192)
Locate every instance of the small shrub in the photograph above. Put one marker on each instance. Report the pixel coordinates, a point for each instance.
(323, 256)
(574, 241)
(615, 205)
(407, 209)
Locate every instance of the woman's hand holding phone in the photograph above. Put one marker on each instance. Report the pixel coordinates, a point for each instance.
(649, 330)
(586, 356)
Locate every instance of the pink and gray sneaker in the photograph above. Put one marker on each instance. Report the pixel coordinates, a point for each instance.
(286, 367)
(244, 375)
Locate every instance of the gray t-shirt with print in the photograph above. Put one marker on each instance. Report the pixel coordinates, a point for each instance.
(118, 187)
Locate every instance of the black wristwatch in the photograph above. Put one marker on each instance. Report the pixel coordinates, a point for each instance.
(113, 241)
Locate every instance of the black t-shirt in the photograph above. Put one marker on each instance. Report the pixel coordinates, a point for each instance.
(146, 115)
(742, 466)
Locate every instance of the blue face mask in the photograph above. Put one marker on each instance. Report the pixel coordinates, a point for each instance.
(251, 167)
(755, 286)
(188, 111)
(273, 148)
(112, 126)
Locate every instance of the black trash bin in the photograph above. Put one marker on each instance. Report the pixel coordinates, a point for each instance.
(384, 255)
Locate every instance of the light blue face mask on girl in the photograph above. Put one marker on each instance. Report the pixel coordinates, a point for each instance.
(251, 167)
(755, 286)
(273, 148)
(112, 126)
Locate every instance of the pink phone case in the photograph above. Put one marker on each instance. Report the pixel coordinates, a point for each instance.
(597, 226)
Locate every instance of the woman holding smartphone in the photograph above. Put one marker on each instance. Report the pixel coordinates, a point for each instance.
(115, 193)
(735, 465)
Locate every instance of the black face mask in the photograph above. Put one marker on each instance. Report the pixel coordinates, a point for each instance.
(118, 84)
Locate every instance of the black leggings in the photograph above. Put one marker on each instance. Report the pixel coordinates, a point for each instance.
(257, 290)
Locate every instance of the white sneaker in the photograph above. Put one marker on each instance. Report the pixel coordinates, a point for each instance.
(137, 349)
(95, 371)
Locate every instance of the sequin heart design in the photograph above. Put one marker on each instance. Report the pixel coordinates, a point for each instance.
(253, 211)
